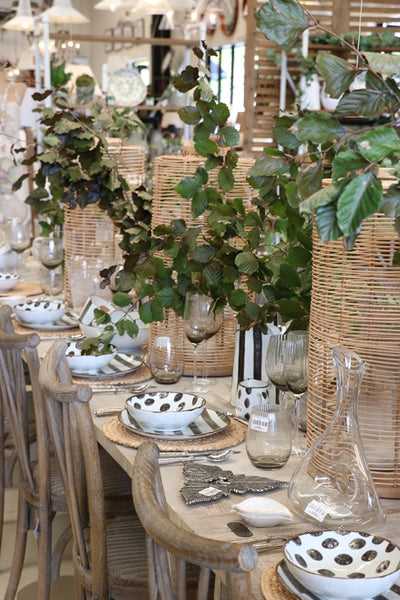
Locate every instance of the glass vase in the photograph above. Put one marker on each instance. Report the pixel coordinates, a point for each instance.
(332, 485)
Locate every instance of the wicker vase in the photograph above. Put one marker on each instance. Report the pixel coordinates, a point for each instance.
(356, 303)
(167, 205)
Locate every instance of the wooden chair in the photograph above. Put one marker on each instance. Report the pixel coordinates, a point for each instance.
(169, 547)
(109, 554)
(40, 496)
(41, 493)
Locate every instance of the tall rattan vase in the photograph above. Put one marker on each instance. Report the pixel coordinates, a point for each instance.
(167, 205)
(356, 303)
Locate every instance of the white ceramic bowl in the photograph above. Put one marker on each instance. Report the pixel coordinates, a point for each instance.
(40, 312)
(343, 565)
(124, 343)
(167, 411)
(8, 281)
(86, 363)
(262, 512)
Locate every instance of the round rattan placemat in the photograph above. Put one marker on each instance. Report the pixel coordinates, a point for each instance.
(272, 588)
(233, 435)
(23, 288)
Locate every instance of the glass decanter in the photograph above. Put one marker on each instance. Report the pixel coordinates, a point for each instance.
(332, 485)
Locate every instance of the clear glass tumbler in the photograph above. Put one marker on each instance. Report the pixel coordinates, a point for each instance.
(269, 436)
(166, 359)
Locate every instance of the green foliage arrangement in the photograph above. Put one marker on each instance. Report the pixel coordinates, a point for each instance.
(269, 275)
(73, 165)
(335, 160)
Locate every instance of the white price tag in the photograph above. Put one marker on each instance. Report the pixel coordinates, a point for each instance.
(259, 423)
(317, 510)
(209, 491)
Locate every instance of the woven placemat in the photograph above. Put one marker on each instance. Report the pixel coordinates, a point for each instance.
(141, 374)
(23, 288)
(233, 435)
(271, 586)
(43, 334)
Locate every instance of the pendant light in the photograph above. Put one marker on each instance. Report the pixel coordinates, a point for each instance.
(23, 20)
(114, 5)
(152, 7)
(62, 11)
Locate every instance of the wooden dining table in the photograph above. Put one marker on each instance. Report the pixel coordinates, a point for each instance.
(214, 519)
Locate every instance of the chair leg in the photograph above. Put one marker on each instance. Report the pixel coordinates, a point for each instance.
(2, 483)
(59, 550)
(19, 547)
(44, 554)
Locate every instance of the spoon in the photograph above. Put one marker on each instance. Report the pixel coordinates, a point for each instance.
(132, 388)
(212, 457)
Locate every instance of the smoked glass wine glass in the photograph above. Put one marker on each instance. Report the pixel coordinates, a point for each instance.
(200, 323)
(51, 255)
(296, 372)
(19, 238)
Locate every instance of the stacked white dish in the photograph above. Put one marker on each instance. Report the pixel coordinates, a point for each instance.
(262, 512)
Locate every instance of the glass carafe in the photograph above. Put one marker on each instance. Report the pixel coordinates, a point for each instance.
(332, 485)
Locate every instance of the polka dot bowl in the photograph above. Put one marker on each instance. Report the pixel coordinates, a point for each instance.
(343, 565)
(165, 411)
(8, 281)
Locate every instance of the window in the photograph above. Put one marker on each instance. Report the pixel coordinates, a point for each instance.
(227, 76)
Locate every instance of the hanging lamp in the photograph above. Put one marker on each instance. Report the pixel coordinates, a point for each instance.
(114, 5)
(62, 11)
(23, 20)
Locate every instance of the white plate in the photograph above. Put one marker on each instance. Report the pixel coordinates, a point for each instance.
(297, 590)
(208, 423)
(121, 365)
(67, 321)
(127, 87)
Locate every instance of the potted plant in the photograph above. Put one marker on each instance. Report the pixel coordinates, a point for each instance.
(84, 88)
(343, 169)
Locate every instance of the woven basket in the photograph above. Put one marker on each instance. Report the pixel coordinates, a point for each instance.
(88, 232)
(131, 162)
(356, 303)
(216, 358)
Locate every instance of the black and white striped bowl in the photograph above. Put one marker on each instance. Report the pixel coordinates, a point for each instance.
(339, 565)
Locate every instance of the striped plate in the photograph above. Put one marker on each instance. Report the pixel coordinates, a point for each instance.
(121, 365)
(208, 423)
(67, 321)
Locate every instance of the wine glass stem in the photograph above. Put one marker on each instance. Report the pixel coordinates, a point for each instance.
(195, 354)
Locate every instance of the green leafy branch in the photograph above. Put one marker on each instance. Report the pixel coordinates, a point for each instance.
(255, 259)
(339, 178)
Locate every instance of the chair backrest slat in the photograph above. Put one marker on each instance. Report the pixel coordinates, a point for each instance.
(72, 432)
(14, 393)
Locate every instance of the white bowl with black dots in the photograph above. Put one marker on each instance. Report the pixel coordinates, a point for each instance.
(343, 565)
(8, 281)
(167, 411)
(40, 312)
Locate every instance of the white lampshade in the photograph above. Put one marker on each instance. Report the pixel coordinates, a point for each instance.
(152, 7)
(114, 5)
(23, 20)
(62, 11)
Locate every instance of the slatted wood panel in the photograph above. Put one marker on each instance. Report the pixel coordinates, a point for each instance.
(263, 76)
